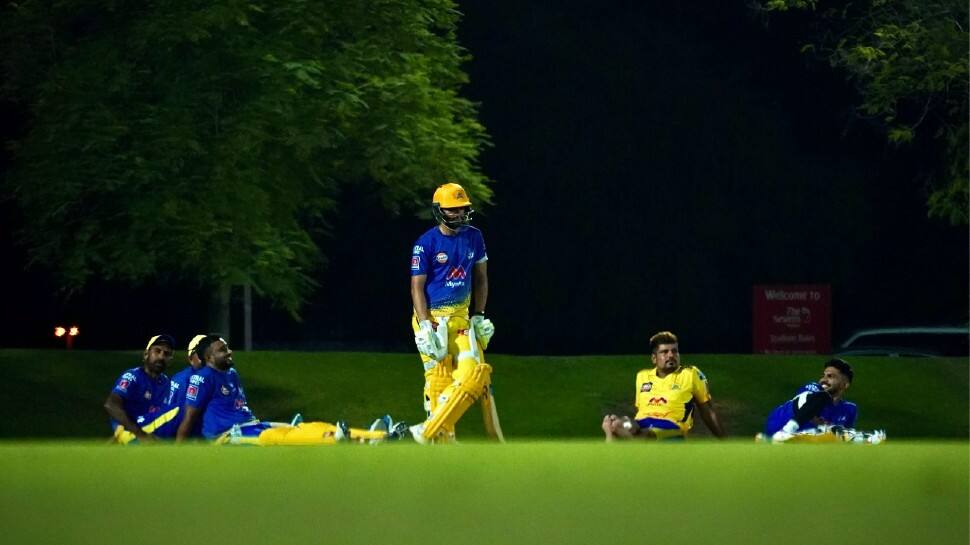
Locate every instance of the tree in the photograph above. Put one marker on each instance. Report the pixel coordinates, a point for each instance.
(210, 140)
(908, 59)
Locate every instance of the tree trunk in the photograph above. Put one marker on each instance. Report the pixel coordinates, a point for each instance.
(247, 317)
(219, 310)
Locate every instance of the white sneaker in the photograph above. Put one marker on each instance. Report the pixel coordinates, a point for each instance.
(383, 424)
(343, 431)
(417, 432)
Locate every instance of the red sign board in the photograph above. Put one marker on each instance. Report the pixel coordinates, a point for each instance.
(792, 319)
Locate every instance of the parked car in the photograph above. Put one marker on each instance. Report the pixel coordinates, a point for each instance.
(909, 341)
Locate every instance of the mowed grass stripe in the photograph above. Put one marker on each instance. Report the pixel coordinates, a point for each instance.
(522, 492)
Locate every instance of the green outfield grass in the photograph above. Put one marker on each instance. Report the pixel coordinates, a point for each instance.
(59, 394)
(522, 492)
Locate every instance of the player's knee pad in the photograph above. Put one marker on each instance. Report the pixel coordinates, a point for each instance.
(456, 399)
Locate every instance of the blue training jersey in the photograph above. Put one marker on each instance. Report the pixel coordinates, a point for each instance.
(841, 413)
(142, 394)
(448, 261)
(220, 395)
(176, 400)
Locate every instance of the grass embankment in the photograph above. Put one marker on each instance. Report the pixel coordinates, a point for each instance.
(59, 394)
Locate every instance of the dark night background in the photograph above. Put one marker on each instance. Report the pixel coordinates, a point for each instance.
(652, 162)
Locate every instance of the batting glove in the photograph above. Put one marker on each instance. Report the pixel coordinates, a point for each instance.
(428, 342)
(484, 329)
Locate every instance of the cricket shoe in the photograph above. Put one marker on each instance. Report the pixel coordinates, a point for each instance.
(342, 433)
(399, 430)
(383, 424)
(417, 433)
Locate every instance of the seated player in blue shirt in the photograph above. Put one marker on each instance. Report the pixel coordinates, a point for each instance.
(140, 391)
(215, 396)
(819, 413)
(164, 422)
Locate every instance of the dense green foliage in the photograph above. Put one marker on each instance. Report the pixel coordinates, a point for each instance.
(210, 140)
(60, 393)
(908, 59)
(552, 492)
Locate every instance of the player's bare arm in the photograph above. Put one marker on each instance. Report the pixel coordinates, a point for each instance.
(115, 407)
(418, 299)
(192, 415)
(706, 410)
(480, 287)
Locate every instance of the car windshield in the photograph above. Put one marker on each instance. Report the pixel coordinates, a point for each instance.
(943, 344)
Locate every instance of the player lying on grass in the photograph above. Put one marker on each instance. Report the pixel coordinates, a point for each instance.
(819, 412)
(140, 392)
(666, 398)
(215, 397)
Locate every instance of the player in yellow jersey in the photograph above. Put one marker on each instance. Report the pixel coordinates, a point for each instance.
(667, 397)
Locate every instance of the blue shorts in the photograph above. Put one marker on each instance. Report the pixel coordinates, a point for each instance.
(663, 429)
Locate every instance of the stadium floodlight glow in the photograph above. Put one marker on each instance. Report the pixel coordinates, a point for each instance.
(59, 331)
(73, 331)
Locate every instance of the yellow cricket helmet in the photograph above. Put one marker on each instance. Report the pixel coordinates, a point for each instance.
(451, 195)
(194, 344)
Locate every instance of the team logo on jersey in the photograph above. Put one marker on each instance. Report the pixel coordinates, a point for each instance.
(441, 258)
(657, 401)
(123, 385)
(471, 254)
(456, 273)
(224, 390)
(418, 249)
(192, 391)
(148, 394)
(415, 262)
(646, 387)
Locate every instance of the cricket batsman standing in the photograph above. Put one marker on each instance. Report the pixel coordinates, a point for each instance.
(449, 277)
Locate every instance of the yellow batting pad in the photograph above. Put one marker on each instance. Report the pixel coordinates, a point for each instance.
(826, 437)
(306, 433)
(457, 398)
(436, 380)
(313, 433)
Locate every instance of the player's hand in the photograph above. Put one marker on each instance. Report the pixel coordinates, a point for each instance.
(609, 423)
(484, 329)
(428, 342)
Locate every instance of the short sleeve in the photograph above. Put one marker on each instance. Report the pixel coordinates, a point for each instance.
(699, 388)
(199, 392)
(126, 383)
(480, 254)
(419, 261)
